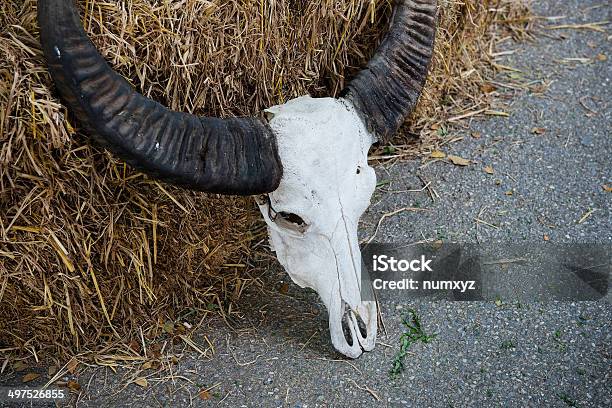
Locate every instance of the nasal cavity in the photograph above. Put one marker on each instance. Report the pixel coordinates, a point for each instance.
(346, 327)
(363, 328)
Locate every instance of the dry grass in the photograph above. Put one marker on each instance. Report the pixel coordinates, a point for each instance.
(98, 259)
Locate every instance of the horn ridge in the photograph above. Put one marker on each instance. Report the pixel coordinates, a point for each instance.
(388, 89)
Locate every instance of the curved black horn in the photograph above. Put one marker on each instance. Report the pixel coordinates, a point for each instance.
(227, 156)
(387, 91)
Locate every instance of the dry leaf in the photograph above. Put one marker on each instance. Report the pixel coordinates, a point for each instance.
(72, 365)
(436, 154)
(204, 394)
(488, 88)
(538, 89)
(73, 385)
(458, 161)
(607, 188)
(30, 377)
(147, 365)
(19, 366)
(538, 130)
(135, 346)
(489, 170)
(509, 192)
(284, 288)
(546, 237)
(169, 327)
(155, 351)
(476, 135)
(142, 382)
(601, 57)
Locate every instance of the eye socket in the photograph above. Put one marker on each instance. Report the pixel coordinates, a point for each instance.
(288, 221)
(292, 218)
(291, 222)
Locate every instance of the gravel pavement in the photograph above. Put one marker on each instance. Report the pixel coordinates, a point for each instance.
(484, 353)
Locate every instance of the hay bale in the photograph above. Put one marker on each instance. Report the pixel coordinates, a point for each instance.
(94, 255)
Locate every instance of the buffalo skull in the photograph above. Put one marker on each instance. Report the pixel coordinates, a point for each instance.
(307, 164)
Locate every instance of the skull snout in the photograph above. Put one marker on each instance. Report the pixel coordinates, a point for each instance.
(353, 331)
(352, 322)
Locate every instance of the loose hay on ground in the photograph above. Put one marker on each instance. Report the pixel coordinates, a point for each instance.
(95, 257)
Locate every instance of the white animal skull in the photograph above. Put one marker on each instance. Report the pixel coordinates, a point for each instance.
(313, 215)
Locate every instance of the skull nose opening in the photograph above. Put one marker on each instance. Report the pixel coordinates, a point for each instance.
(363, 330)
(351, 323)
(353, 331)
(347, 324)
